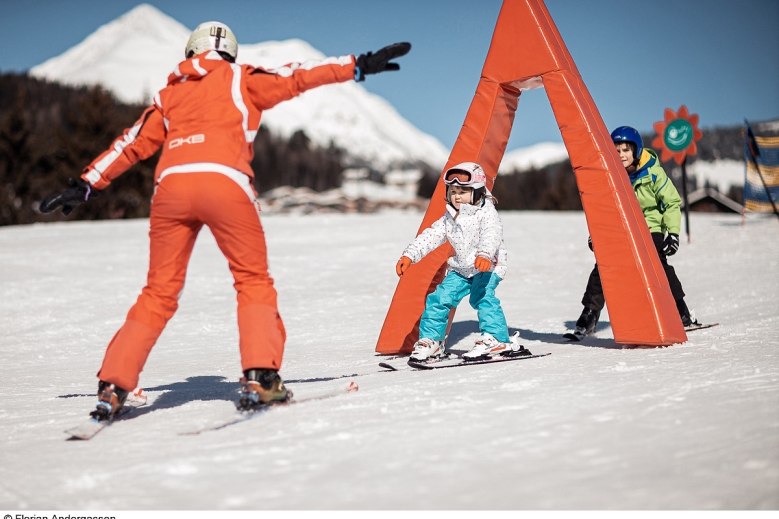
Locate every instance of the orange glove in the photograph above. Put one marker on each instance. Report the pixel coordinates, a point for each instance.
(482, 264)
(402, 265)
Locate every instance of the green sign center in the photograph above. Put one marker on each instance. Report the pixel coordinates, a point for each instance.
(678, 134)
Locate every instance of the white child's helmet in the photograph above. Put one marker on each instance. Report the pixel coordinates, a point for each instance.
(467, 174)
(212, 36)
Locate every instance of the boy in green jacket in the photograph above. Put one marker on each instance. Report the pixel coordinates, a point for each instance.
(661, 205)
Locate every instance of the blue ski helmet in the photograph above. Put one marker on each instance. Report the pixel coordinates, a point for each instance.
(629, 134)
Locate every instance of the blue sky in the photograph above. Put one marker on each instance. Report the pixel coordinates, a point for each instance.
(720, 58)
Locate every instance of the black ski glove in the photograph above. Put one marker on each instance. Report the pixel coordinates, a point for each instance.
(589, 243)
(70, 198)
(374, 63)
(671, 244)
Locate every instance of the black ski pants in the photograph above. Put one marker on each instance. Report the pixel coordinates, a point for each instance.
(593, 295)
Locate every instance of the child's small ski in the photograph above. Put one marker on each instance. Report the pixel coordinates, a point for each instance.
(389, 367)
(404, 364)
(458, 362)
(242, 416)
(694, 327)
(91, 427)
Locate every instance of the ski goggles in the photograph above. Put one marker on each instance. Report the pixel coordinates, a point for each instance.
(457, 176)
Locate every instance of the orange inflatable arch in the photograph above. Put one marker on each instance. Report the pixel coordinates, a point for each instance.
(528, 52)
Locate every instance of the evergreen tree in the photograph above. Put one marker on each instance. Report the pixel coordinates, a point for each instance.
(51, 132)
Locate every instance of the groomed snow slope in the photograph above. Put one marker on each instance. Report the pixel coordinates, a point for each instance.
(591, 426)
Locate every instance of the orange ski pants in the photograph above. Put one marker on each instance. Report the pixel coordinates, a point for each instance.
(182, 204)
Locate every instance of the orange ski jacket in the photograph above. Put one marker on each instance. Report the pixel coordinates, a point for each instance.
(208, 115)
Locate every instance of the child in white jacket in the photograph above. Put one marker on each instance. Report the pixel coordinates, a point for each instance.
(473, 228)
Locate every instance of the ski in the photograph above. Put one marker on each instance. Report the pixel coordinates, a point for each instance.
(579, 336)
(91, 427)
(404, 365)
(455, 363)
(243, 416)
(699, 327)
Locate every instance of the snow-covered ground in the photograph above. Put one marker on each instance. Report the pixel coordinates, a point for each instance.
(692, 426)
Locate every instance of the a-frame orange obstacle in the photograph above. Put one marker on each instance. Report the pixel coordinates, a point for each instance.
(528, 52)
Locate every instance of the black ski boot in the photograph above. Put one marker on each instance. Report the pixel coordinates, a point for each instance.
(587, 322)
(684, 312)
(110, 399)
(261, 387)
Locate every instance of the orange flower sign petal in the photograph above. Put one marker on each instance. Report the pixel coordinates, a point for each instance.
(677, 135)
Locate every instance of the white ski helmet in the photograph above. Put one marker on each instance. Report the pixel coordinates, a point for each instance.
(212, 36)
(466, 174)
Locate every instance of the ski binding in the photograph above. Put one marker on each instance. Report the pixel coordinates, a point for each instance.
(91, 427)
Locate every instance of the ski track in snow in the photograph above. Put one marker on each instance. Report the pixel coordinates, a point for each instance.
(594, 425)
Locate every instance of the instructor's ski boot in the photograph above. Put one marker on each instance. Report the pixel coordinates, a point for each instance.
(428, 349)
(587, 322)
(260, 388)
(488, 346)
(110, 399)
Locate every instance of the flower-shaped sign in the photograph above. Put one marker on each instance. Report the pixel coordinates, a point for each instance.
(677, 135)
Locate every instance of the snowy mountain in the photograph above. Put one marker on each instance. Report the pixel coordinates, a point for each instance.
(536, 156)
(363, 123)
(133, 55)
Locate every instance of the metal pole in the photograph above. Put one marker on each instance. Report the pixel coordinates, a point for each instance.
(684, 194)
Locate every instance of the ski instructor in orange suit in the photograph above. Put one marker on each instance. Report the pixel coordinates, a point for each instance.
(205, 120)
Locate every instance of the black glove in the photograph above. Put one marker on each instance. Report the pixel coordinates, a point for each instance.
(70, 198)
(589, 243)
(671, 244)
(374, 63)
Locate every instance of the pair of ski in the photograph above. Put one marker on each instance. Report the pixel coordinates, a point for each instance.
(578, 336)
(89, 429)
(453, 361)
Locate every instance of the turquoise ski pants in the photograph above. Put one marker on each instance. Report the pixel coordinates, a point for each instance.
(448, 295)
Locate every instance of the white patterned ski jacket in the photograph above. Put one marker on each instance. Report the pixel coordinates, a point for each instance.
(476, 231)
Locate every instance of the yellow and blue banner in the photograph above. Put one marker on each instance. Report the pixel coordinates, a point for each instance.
(761, 182)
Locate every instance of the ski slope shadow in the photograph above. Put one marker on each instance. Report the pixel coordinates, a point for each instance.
(180, 393)
(463, 329)
(193, 389)
(205, 388)
(594, 342)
